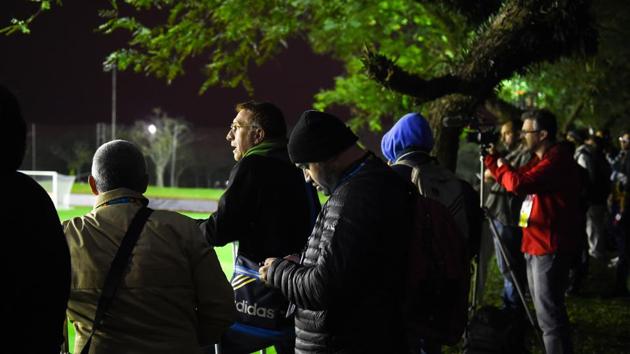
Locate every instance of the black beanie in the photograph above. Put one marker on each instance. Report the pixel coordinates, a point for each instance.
(318, 136)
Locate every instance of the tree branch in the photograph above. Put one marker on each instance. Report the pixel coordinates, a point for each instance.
(573, 116)
(383, 70)
(475, 11)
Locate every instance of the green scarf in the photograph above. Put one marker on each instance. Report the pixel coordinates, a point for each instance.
(266, 147)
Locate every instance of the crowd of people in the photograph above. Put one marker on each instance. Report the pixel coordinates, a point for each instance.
(332, 276)
(604, 170)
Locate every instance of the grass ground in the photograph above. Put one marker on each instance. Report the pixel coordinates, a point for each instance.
(599, 324)
(165, 192)
(174, 193)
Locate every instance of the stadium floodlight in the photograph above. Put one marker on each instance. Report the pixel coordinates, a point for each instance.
(57, 185)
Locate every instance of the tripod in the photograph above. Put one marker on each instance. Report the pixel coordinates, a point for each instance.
(502, 251)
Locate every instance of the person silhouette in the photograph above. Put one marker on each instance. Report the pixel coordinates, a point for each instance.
(36, 261)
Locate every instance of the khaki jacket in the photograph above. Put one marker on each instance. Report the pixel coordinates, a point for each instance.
(174, 298)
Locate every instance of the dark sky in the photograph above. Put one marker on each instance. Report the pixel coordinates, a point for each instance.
(56, 71)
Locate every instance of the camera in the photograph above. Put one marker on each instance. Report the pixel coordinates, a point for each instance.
(483, 137)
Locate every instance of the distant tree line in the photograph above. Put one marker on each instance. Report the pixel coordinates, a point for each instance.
(200, 160)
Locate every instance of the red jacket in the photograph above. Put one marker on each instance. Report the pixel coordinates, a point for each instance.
(554, 183)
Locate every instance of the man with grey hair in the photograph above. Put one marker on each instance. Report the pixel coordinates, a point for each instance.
(173, 297)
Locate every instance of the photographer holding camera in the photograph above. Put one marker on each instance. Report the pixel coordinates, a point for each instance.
(503, 208)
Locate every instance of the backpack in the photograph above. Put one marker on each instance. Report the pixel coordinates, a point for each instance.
(495, 331)
(438, 275)
(440, 184)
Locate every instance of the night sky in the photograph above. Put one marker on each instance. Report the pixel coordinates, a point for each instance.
(57, 74)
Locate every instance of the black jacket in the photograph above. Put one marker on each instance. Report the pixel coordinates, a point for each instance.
(348, 287)
(267, 207)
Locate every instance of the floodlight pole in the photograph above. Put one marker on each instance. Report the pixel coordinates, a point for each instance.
(113, 68)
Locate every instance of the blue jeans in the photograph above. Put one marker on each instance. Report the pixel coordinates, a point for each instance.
(548, 277)
(511, 238)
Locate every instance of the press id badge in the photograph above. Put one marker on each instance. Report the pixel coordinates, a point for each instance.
(526, 210)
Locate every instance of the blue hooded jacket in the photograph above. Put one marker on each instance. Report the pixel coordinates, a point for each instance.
(411, 132)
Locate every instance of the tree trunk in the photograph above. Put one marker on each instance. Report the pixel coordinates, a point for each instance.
(159, 175)
(447, 139)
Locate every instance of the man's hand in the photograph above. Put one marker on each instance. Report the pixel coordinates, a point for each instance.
(265, 268)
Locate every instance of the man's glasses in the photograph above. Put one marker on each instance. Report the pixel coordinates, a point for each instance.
(234, 126)
(524, 132)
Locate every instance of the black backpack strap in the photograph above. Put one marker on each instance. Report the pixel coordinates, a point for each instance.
(116, 270)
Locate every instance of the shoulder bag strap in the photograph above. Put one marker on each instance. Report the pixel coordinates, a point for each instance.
(115, 274)
(415, 173)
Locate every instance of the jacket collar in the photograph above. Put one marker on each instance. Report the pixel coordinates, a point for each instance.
(417, 155)
(119, 193)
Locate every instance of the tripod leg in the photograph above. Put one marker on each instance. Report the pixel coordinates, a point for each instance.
(515, 281)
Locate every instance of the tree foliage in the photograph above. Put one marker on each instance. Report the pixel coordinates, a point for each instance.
(19, 25)
(234, 35)
(586, 91)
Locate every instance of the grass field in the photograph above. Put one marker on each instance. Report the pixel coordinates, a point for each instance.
(175, 193)
(165, 192)
(599, 324)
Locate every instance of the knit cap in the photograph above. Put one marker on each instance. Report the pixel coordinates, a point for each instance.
(318, 136)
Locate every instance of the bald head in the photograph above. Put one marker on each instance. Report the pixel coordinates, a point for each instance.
(119, 164)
